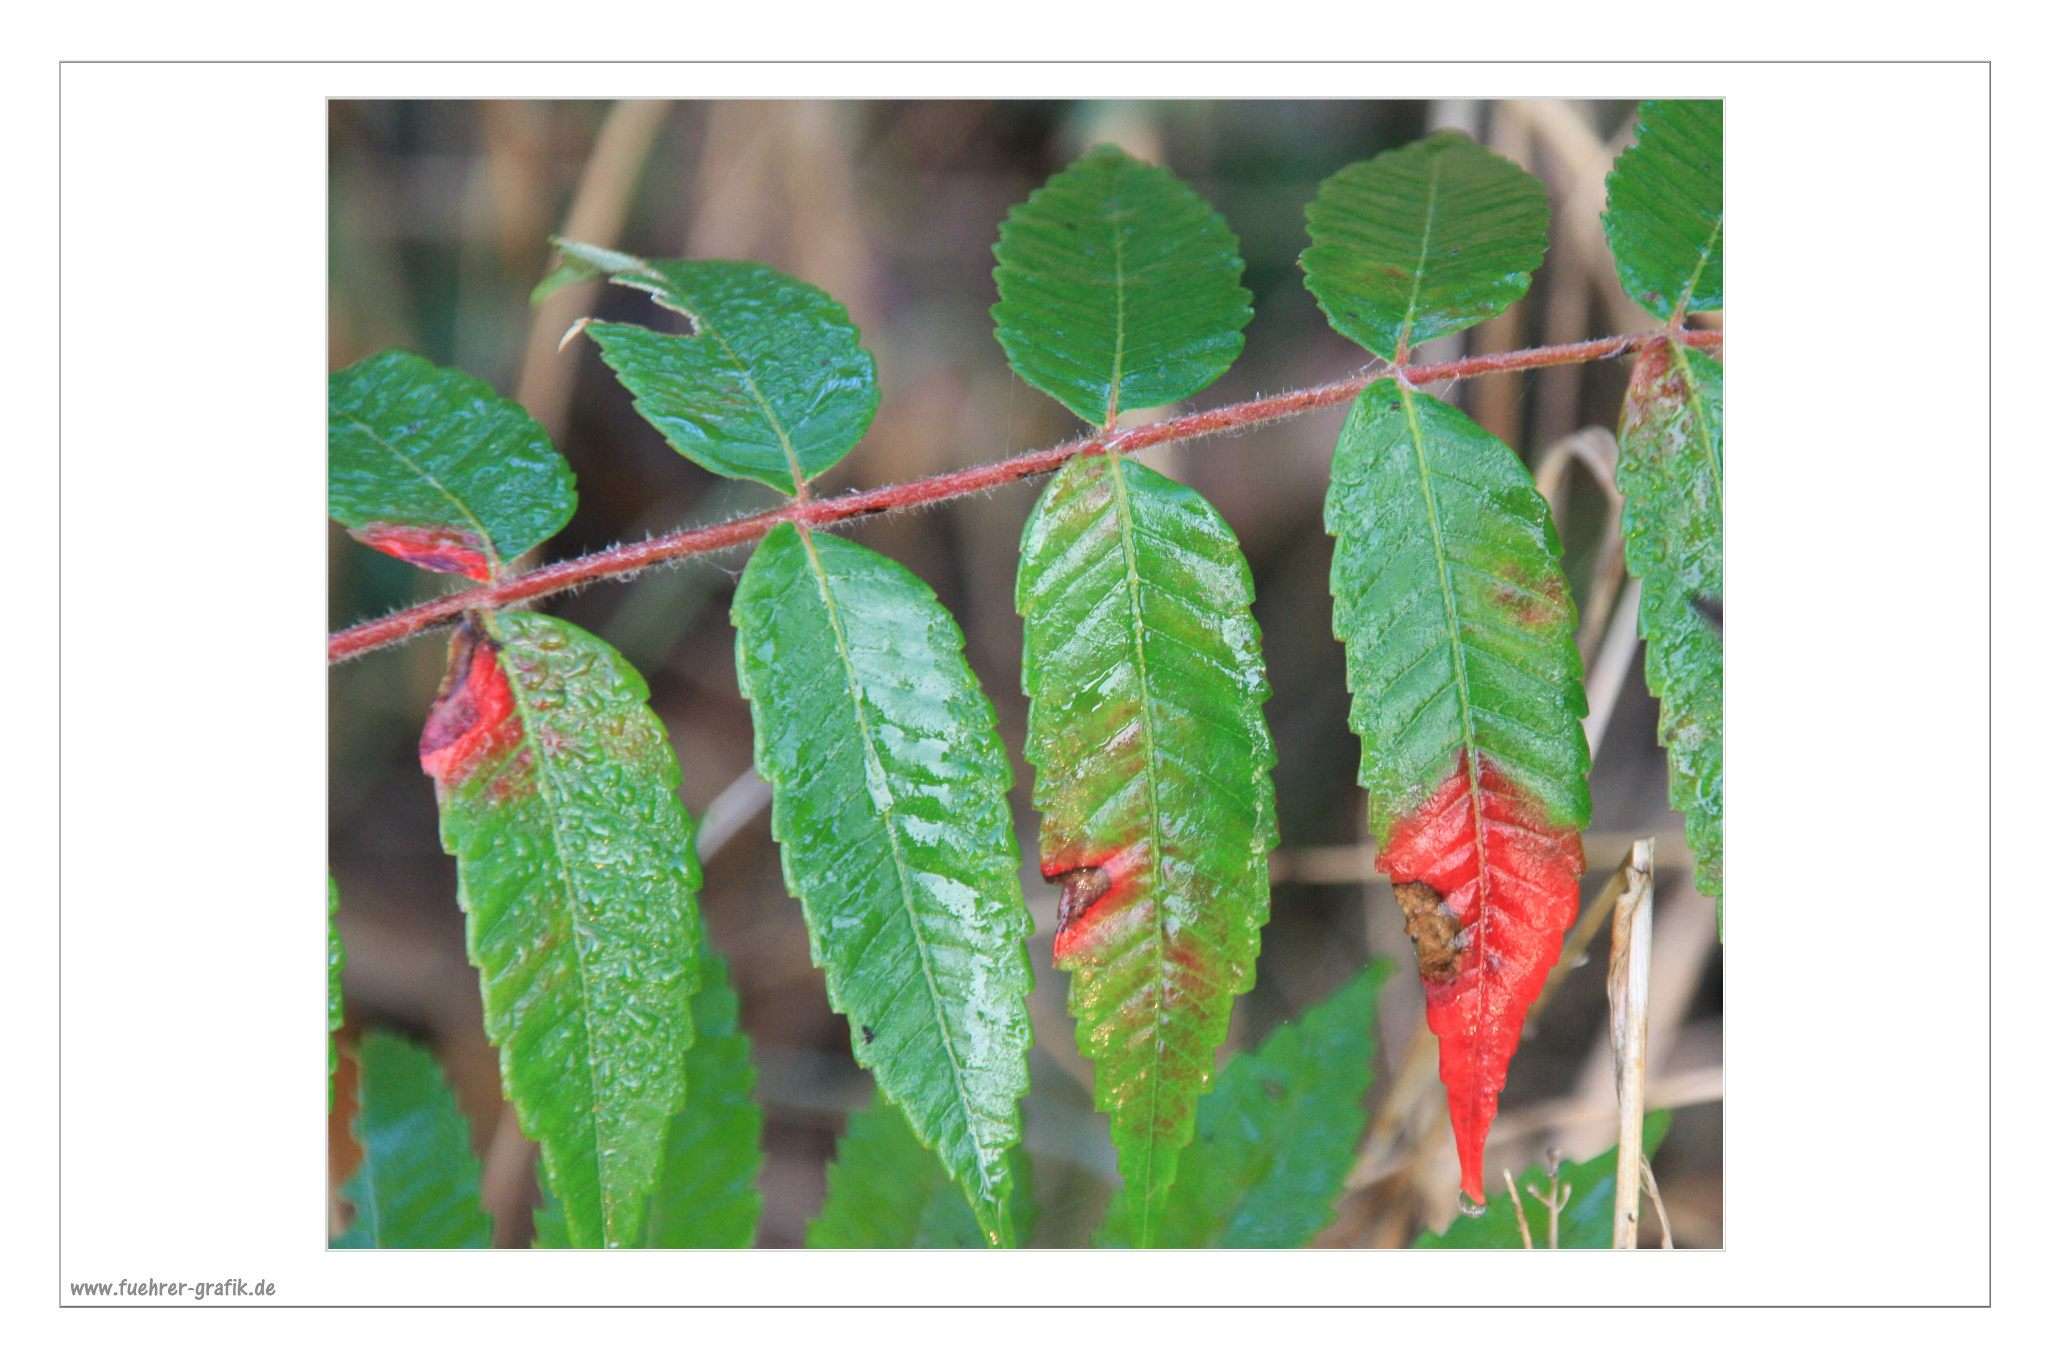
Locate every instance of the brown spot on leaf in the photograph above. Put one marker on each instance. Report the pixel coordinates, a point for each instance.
(1079, 889)
(1432, 929)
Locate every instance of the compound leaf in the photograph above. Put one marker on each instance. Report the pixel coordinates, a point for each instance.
(772, 386)
(1154, 777)
(1586, 1221)
(1670, 478)
(710, 1190)
(885, 1190)
(1423, 241)
(431, 466)
(577, 870)
(419, 1184)
(1467, 699)
(891, 808)
(1663, 216)
(1119, 288)
(1276, 1138)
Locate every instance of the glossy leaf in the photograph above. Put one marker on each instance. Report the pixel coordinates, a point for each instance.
(710, 1189)
(419, 1184)
(891, 806)
(771, 385)
(1119, 288)
(1467, 700)
(1663, 216)
(1154, 777)
(884, 1190)
(1670, 478)
(337, 957)
(577, 870)
(1276, 1138)
(1423, 241)
(1585, 1222)
(431, 466)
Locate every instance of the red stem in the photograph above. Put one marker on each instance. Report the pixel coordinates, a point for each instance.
(626, 559)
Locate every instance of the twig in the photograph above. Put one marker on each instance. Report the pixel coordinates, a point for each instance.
(623, 560)
(1628, 1004)
(1657, 1202)
(1521, 1218)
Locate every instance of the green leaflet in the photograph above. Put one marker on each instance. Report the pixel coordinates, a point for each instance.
(1423, 241)
(1587, 1220)
(891, 808)
(773, 385)
(1670, 478)
(578, 873)
(710, 1189)
(1275, 1140)
(419, 1183)
(1663, 216)
(1118, 288)
(884, 1190)
(336, 958)
(1436, 521)
(431, 466)
(1154, 770)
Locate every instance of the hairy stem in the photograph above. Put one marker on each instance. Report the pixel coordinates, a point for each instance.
(622, 560)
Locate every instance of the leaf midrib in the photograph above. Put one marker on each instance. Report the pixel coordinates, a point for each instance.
(577, 902)
(1154, 842)
(1401, 341)
(886, 814)
(1457, 649)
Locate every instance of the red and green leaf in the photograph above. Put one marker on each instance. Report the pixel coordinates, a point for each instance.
(1154, 777)
(577, 870)
(1670, 477)
(1467, 699)
(432, 467)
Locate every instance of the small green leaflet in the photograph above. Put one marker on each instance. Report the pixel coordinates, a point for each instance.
(1670, 478)
(419, 1182)
(891, 806)
(1586, 1222)
(337, 957)
(1119, 288)
(1663, 216)
(710, 1189)
(1154, 777)
(884, 1190)
(773, 385)
(1276, 1138)
(577, 869)
(431, 466)
(1423, 241)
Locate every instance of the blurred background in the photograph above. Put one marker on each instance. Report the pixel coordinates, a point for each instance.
(439, 216)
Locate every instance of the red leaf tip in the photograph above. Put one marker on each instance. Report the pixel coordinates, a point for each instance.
(438, 549)
(473, 715)
(1508, 879)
